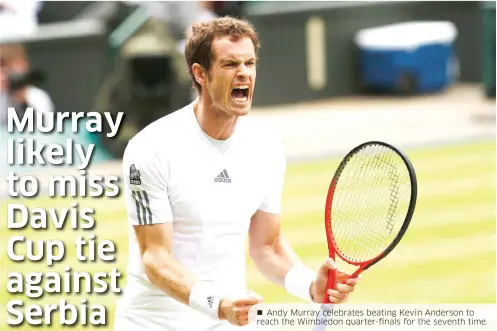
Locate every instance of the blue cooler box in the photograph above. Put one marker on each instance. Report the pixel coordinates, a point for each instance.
(412, 57)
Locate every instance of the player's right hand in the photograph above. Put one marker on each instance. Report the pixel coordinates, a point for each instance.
(236, 311)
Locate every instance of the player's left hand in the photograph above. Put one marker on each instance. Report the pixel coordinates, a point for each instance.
(344, 287)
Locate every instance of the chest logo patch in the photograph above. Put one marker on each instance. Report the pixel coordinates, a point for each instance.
(134, 175)
(223, 177)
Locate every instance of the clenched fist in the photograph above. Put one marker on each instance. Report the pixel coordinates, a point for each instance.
(344, 286)
(236, 311)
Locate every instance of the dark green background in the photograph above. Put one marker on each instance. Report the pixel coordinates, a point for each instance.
(78, 66)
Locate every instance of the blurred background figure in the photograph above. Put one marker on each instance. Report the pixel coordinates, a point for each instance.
(150, 78)
(148, 82)
(18, 18)
(17, 83)
(179, 15)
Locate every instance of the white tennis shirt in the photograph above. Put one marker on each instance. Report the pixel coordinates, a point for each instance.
(209, 190)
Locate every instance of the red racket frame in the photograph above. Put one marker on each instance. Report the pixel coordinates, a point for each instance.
(332, 247)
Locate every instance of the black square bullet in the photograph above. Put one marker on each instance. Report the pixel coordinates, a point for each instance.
(259, 312)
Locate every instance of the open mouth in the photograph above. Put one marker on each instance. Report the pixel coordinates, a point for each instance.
(240, 93)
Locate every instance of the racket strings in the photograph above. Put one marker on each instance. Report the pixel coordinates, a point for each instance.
(362, 239)
(380, 238)
(370, 240)
(370, 202)
(380, 196)
(394, 197)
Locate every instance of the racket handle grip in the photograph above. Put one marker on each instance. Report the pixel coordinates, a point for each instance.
(331, 284)
(332, 281)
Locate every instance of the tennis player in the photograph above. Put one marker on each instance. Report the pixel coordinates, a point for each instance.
(196, 182)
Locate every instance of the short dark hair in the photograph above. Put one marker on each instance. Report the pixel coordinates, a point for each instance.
(198, 46)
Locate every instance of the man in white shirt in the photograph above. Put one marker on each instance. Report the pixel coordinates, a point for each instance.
(196, 182)
(14, 61)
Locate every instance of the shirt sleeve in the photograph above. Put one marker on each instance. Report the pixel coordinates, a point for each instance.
(272, 198)
(145, 187)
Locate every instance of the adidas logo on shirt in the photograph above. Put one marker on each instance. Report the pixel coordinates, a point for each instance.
(223, 177)
(210, 301)
(134, 175)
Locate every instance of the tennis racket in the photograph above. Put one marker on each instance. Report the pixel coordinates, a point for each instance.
(369, 206)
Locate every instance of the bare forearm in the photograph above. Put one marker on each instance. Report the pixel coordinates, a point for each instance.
(275, 260)
(167, 274)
